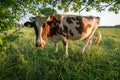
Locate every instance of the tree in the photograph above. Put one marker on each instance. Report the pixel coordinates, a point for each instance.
(12, 10)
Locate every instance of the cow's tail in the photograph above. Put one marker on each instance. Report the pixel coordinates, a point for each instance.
(98, 39)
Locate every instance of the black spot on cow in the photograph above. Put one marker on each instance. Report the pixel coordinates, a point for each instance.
(65, 29)
(49, 23)
(79, 30)
(53, 29)
(79, 22)
(58, 21)
(69, 20)
(71, 33)
(73, 18)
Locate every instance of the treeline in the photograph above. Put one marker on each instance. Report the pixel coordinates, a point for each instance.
(18, 25)
(115, 26)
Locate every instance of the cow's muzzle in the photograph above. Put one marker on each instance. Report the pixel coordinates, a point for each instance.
(40, 44)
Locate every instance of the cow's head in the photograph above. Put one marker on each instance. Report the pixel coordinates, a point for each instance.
(41, 29)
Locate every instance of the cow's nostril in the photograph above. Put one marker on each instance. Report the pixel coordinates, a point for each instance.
(36, 45)
(40, 44)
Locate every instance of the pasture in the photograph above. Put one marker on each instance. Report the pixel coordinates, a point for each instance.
(21, 60)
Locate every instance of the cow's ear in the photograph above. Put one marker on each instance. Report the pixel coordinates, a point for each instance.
(46, 18)
(32, 19)
(28, 24)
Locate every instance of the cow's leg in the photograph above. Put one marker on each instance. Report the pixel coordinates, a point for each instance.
(89, 40)
(56, 47)
(86, 44)
(65, 44)
(89, 45)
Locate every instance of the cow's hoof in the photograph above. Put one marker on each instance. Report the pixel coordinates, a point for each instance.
(66, 56)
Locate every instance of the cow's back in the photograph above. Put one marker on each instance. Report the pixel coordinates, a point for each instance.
(76, 27)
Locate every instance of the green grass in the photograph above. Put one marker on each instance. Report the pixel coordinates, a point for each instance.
(21, 60)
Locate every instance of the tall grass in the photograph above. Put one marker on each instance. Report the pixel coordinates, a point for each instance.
(20, 60)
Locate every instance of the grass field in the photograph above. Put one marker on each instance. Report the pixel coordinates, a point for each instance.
(21, 60)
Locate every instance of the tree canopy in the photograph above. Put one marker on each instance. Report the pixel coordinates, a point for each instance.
(12, 10)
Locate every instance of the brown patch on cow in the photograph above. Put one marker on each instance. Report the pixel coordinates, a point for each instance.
(55, 17)
(86, 27)
(71, 33)
(54, 28)
(46, 31)
(54, 20)
(50, 18)
(89, 25)
(65, 29)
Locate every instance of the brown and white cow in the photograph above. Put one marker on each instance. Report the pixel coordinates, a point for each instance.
(64, 27)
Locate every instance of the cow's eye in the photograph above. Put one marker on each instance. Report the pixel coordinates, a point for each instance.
(44, 25)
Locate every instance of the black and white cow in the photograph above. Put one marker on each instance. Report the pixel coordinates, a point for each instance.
(64, 27)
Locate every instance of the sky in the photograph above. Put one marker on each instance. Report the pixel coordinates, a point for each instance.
(107, 18)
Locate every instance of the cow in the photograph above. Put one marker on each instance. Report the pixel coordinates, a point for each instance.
(64, 27)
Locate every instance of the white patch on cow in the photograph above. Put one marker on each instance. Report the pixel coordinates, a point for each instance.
(41, 39)
(39, 22)
(71, 27)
